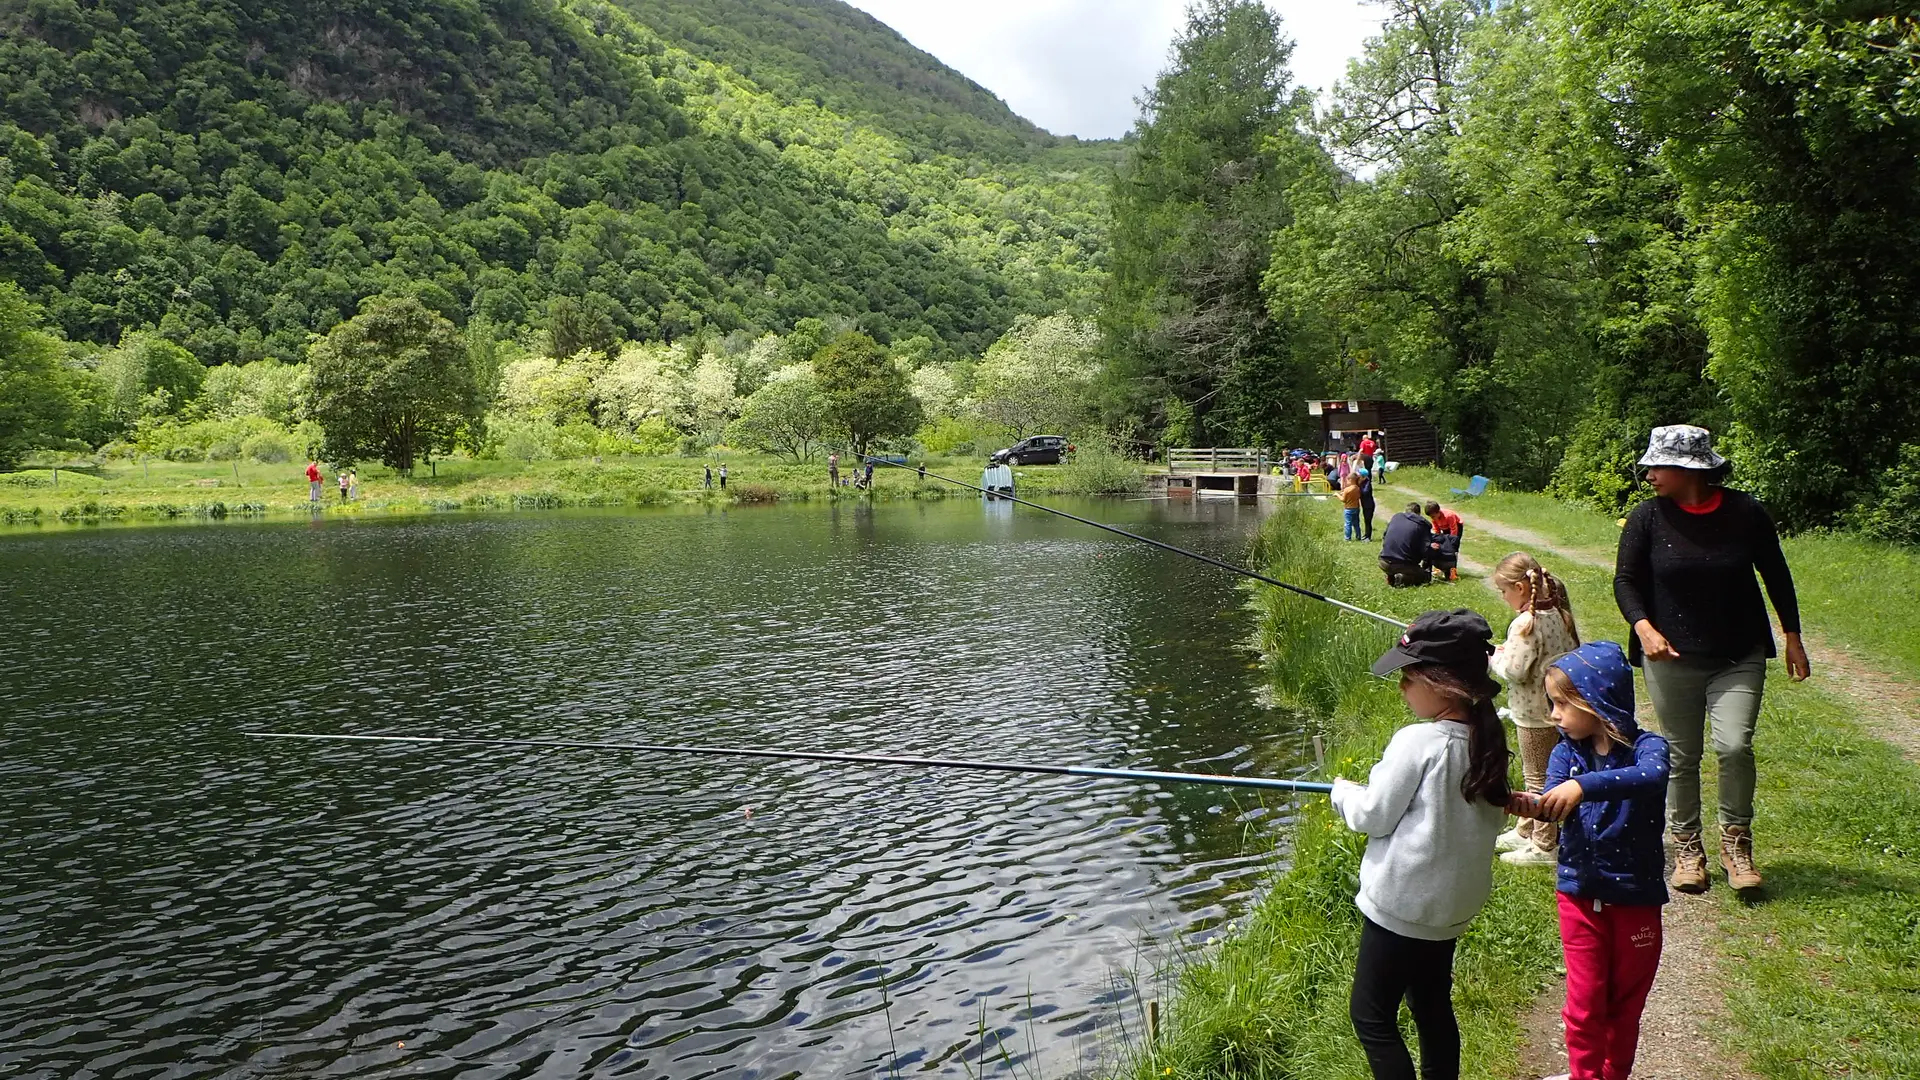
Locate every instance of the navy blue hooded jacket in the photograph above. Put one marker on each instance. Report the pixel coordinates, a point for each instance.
(1610, 847)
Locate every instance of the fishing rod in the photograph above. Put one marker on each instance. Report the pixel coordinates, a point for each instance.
(1161, 544)
(1150, 775)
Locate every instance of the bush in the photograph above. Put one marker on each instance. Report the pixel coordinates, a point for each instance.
(754, 493)
(1096, 470)
(1893, 513)
(951, 436)
(267, 449)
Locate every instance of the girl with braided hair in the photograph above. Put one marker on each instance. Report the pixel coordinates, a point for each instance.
(1542, 630)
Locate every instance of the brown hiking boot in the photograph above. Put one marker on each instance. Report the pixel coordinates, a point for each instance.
(1736, 857)
(1689, 864)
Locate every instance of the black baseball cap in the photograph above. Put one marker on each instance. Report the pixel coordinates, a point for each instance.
(1458, 639)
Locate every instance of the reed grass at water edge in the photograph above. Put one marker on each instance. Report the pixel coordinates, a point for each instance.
(1271, 1001)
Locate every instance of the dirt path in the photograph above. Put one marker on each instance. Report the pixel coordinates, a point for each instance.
(1680, 1032)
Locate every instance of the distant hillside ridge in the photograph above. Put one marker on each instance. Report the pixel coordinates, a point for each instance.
(846, 60)
(240, 177)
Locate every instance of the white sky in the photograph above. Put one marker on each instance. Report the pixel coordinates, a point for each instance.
(1075, 67)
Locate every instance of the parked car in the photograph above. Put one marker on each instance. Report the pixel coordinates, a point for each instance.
(1034, 450)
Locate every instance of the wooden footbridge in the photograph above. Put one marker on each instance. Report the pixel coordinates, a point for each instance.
(1202, 470)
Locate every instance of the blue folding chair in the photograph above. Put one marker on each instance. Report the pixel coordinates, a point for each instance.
(1475, 487)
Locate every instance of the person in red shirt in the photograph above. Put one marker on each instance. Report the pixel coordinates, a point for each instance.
(313, 481)
(1367, 445)
(1448, 531)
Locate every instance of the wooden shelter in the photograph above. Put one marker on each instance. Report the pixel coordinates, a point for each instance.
(1410, 439)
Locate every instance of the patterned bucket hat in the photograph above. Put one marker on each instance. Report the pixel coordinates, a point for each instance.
(1682, 446)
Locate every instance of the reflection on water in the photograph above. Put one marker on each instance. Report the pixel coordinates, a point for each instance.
(178, 901)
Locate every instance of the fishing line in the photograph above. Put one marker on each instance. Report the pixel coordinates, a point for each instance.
(1150, 775)
(1161, 544)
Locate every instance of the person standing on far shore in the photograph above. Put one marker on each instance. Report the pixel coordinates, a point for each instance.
(343, 485)
(833, 469)
(707, 482)
(353, 485)
(313, 481)
(723, 477)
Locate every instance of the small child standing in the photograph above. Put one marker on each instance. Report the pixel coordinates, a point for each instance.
(1430, 810)
(1607, 783)
(1542, 631)
(1350, 499)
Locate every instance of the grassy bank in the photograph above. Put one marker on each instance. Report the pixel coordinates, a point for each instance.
(91, 492)
(1271, 1001)
(1822, 974)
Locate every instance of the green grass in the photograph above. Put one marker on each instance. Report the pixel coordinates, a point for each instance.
(160, 490)
(1271, 1000)
(1822, 975)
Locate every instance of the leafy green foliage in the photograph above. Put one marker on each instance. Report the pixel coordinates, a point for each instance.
(866, 394)
(149, 376)
(1893, 511)
(1585, 220)
(1207, 182)
(843, 59)
(393, 383)
(240, 177)
(788, 416)
(36, 390)
(1039, 377)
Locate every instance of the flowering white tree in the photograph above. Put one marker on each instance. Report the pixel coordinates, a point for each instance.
(1039, 376)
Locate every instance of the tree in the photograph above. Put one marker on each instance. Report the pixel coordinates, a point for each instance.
(36, 393)
(787, 416)
(1217, 150)
(1039, 376)
(393, 382)
(150, 376)
(866, 393)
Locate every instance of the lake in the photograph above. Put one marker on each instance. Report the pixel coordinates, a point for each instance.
(179, 901)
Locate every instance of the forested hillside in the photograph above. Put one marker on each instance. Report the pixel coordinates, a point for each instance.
(241, 176)
(1552, 225)
(843, 59)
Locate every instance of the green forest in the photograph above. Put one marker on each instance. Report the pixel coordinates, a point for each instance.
(1551, 225)
(651, 226)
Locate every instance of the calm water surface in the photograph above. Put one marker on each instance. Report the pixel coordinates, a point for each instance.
(177, 901)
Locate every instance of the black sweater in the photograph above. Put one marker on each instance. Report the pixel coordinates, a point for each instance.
(1407, 538)
(1691, 576)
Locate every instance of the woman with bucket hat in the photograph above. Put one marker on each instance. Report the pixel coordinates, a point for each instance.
(1684, 580)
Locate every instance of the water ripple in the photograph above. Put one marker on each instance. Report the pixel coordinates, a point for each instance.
(178, 901)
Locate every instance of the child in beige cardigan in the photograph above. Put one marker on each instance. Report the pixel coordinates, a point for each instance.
(1542, 630)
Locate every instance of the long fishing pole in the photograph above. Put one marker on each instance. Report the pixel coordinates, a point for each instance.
(1161, 544)
(1150, 775)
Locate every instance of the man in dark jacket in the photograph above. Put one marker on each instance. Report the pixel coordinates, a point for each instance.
(1403, 552)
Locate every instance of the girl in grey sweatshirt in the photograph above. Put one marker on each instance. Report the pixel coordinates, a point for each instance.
(1431, 810)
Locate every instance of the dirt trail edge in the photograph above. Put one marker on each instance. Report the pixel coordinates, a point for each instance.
(1686, 1016)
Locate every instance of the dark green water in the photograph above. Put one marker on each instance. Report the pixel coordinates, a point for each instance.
(176, 901)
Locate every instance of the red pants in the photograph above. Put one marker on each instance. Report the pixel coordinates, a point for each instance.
(1612, 955)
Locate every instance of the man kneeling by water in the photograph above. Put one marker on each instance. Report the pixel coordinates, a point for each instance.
(1403, 552)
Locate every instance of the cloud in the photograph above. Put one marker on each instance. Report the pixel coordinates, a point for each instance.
(1076, 67)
